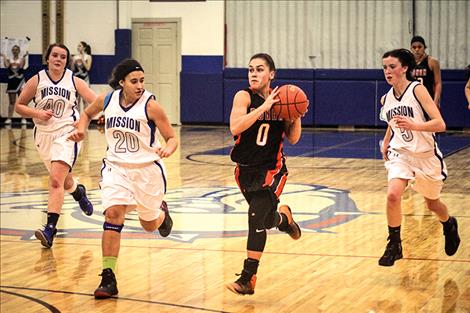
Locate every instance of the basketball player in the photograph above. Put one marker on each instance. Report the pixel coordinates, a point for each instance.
(427, 70)
(133, 173)
(53, 92)
(410, 151)
(261, 170)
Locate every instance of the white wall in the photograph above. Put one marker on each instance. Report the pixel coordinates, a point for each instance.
(20, 19)
(202, 22)
(95, 22)
(342, 34)
(91, 21)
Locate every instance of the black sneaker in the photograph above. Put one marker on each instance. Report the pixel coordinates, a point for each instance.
(242, 286)
(293, 229)
(85, 204)
(47, 235)
(393, 252)
(452, 237)
(108, 285)
(167, 225)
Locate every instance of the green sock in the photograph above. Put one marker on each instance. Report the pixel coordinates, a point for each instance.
(109, 262)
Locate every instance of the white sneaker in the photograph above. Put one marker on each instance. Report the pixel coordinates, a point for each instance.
(8, 121)
(24, 121)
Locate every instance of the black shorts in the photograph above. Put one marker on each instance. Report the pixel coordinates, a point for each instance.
(251, 179)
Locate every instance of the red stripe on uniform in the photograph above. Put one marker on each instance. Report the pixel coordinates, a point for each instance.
(269, 180)
(280, 187)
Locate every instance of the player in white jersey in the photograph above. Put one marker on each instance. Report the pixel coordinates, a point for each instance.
(133, 174)
(53, 92)
(410, 151)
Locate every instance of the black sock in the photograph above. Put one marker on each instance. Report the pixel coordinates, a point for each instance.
(284, 223)
(52, 219)
(78, 193)
(250, 266)
(394, 234)
(447, 224)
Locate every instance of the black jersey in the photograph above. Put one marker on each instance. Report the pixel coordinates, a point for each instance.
(261, 144)
(423, 73)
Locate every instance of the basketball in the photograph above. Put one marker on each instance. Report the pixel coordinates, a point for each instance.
(292, 104)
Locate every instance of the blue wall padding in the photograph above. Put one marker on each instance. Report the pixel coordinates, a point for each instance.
(202, 64)
(123, 44)
(341, 102)
(201, 98)
(345, 74)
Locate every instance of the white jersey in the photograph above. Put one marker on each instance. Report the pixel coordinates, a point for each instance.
(418, 143)
(60, 97)
(132, 138)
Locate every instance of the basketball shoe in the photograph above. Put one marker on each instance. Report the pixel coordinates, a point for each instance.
(47, 235)
(393, 252)
(452, 238)
(245, 285)
(108, 285)
(167, 225)
(292, 228)
(85, 204)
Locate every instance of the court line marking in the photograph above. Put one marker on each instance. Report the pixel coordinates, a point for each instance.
(51, 308)
(91, 295)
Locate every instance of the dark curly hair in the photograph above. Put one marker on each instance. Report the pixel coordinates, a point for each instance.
(121, 70)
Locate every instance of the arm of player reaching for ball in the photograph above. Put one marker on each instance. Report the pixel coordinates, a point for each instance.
(240, 120)
(91, 110)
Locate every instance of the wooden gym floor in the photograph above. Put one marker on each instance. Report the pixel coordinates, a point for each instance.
(336, 187)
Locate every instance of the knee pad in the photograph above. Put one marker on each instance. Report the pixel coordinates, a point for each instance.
(113, 227)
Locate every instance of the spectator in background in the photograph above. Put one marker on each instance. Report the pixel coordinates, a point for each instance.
(427, 70)
(15, 67)
(81, 66)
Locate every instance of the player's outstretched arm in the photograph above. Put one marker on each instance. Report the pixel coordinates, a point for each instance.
(93, 109)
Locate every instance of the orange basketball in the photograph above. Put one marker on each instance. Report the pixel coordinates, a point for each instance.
(292, 104)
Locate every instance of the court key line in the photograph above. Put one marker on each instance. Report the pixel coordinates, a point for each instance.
(91, 295)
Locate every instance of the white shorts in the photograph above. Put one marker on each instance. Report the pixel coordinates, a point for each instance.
(426, 175)
(54, 146)
(141, 188)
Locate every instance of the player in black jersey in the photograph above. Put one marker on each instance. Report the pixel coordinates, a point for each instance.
(261, 171)
(427, 70)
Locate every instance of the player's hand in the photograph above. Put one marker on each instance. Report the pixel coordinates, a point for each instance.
(403, 122)
(77, 135)
(384, 151)
(164, 152)
(44, 115)
(270, 100)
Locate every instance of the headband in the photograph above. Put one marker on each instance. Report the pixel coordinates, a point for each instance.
(131, 69)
